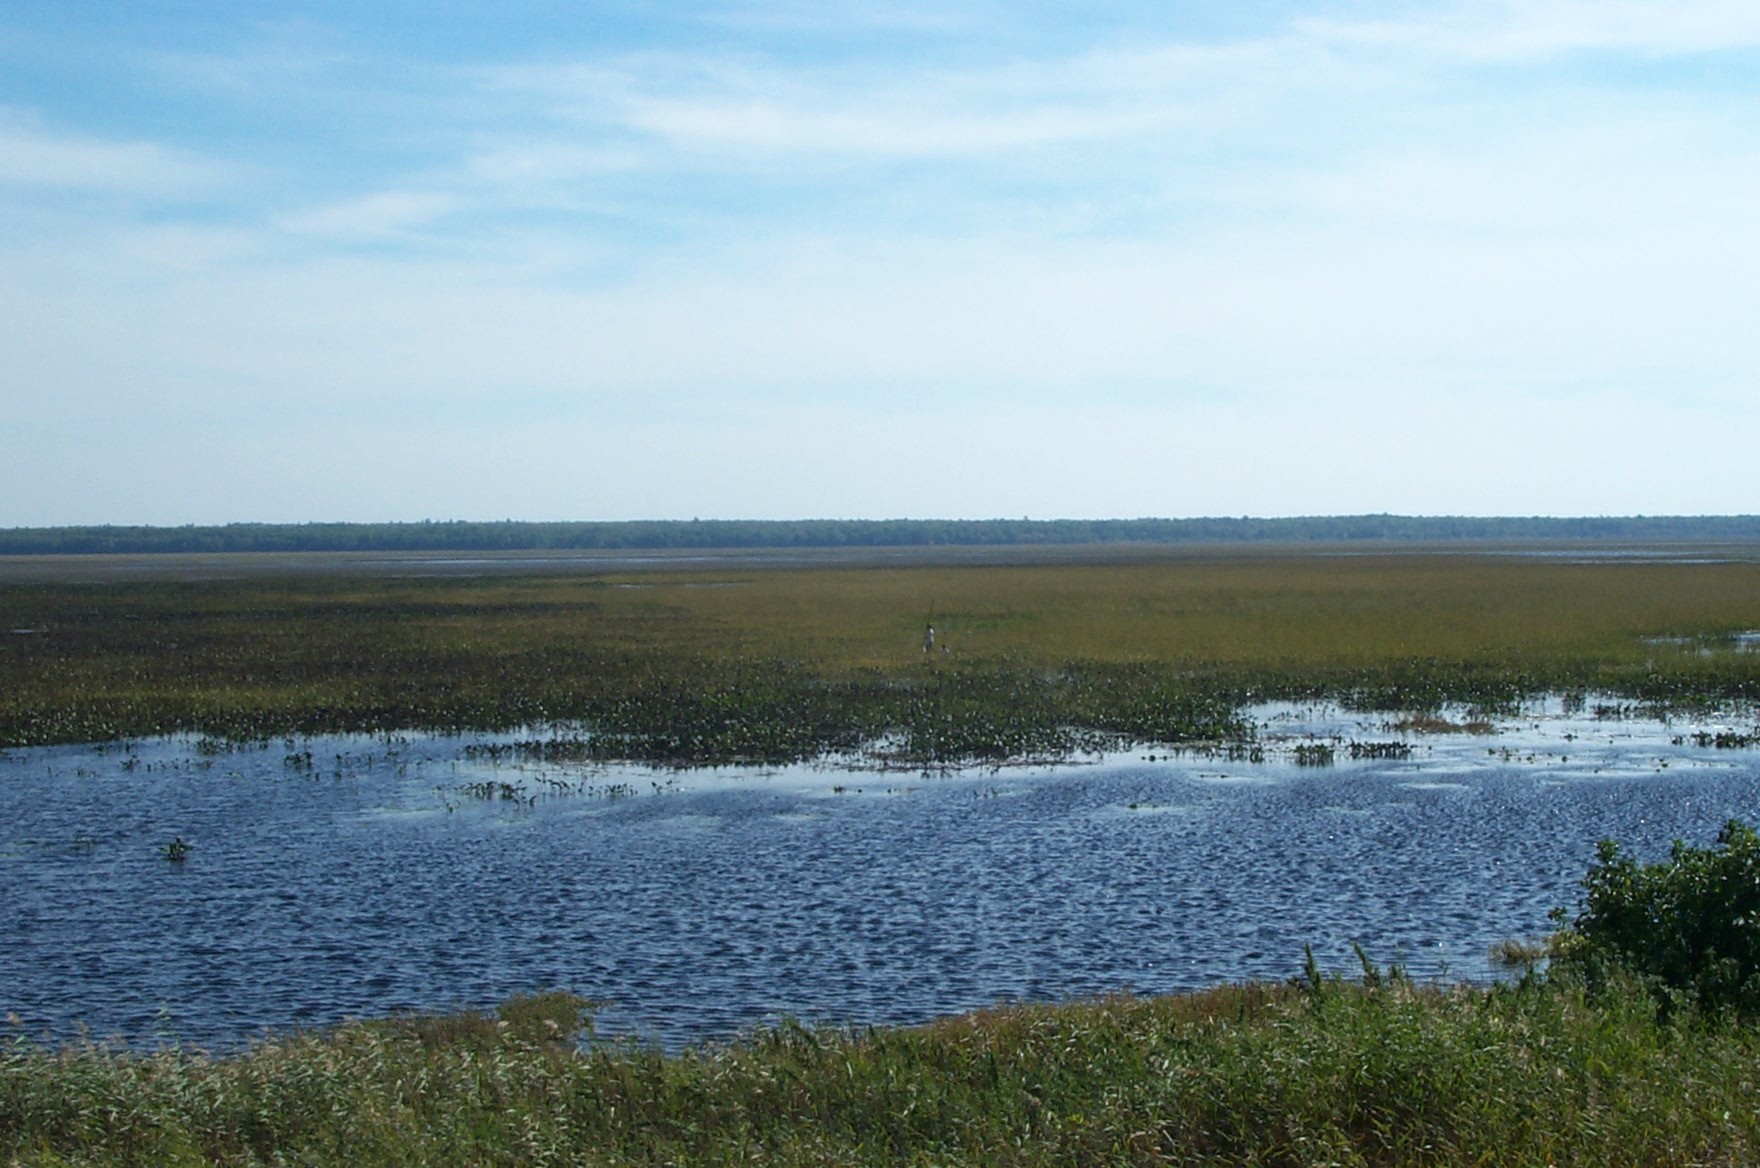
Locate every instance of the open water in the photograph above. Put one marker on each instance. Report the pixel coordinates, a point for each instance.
(376, 879)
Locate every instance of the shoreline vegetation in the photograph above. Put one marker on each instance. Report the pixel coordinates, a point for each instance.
(1549, 1069)
(722, 665)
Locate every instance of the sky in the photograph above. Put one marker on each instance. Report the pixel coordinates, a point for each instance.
(304, 261)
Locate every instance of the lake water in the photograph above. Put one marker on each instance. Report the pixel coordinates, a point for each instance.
(377, 879)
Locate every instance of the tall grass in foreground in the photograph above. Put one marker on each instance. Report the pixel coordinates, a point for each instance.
(1334, 1073)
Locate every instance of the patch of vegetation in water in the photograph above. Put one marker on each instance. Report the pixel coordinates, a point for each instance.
(1029, 662)
(1380, 750)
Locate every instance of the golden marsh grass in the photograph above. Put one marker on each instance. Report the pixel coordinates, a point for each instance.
(718, 665)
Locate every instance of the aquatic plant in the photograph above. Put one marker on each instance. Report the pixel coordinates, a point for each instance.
(1725, 739)
(1044, 661)
(1361, 750)
(491, 790)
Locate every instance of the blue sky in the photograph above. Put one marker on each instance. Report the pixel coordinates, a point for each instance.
(301, 261)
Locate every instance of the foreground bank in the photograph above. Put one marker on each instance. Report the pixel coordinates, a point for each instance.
(1334, 1072)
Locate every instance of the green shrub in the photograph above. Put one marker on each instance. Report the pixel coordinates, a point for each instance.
(1689, 924)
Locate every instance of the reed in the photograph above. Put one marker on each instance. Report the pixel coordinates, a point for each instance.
(1381, 1072)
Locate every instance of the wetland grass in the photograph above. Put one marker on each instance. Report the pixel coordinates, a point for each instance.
(1382, 1072)
(777, 665)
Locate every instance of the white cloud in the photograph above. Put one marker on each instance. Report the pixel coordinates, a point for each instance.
(713, 108)
(540, 162)
(1524, 31)
(707, 109)
(34, 157)
(275, 61)
(823, 16)
(386, 214)
(891, 127)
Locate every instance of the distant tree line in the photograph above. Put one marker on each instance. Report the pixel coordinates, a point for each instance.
(459, 535)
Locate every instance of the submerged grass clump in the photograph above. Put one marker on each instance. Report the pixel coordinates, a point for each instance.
(1383, 1073)
(794, 664)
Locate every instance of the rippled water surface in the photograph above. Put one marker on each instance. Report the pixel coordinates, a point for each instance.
(375, 879)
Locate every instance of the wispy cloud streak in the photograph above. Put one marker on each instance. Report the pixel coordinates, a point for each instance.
(33, 156)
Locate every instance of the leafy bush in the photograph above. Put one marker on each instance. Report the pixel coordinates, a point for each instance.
(1690, 924)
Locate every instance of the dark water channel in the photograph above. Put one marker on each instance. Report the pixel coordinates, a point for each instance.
(700, 903)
